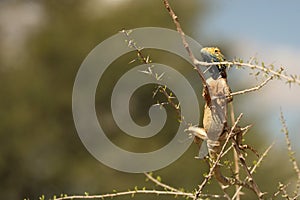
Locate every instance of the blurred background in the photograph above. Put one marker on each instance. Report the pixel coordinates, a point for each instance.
(43, 44)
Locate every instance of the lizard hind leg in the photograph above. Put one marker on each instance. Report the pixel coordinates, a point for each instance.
(200, 138)
(239, 140)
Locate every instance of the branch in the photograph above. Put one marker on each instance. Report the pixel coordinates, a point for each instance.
(249, 174)
(146, 60)
(187, 48)
(282, 189)
(253, 169)
(165, 186)
(270, 70)
(252, 89)
(103, 196)
(235, 156)
(291, 153)
(172, 189)
(256, 87)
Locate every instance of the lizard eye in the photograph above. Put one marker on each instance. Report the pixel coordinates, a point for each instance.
(217, 50)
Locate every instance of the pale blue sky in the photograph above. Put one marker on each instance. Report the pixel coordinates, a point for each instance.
(265, 21)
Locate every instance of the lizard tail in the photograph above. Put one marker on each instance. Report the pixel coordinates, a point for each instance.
(219, 176)
(214, 147)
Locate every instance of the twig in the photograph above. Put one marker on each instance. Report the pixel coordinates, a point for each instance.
(291, 153)
(226, 195)
(172, 189)
(164, 186)
(252, 89)
(256, 87)
(245, 129)
(187, 48)
(235, 156)
(147, 60)
(282, 189)
(278, 74)
(250, 177)
(111, 195)
(253, 169)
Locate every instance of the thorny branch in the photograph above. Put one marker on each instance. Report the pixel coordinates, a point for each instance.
(291, 153)
(186, 46)
(256, 87)
(254, 185)
(253, 169)
(252, 89)
(282, 189)
(267, 70)
(169, 188)
(165, 186)
(125, 193)
(161, 89)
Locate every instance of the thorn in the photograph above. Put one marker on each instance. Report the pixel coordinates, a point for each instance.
(132, 61)
(145, 72)
(159, 78)
(150, 70)
(147, 59)
(246, 128)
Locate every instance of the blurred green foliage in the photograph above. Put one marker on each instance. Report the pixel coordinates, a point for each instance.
(40, 151)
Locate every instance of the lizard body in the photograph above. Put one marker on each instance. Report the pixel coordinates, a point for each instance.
(215, 126)
(215, 129)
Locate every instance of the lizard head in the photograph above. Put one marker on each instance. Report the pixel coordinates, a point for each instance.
(213, 54)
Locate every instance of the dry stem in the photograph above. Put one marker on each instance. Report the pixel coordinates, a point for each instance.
(291, 153)
(253, 170)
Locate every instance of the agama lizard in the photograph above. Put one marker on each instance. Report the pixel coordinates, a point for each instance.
(215, 126)
(215, 129)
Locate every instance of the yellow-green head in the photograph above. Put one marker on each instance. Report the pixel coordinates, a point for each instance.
(213, 54)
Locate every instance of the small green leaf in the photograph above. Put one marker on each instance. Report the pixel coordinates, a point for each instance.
(158, 178)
